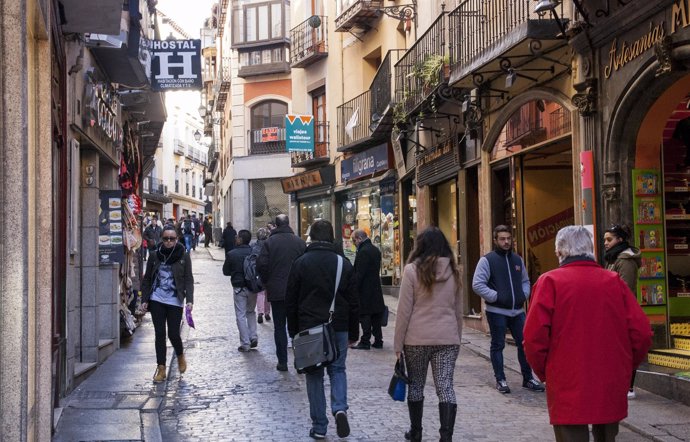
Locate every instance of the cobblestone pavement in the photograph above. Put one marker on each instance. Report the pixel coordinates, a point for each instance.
(230, 396)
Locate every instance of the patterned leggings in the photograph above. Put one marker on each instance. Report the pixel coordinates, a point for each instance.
(442, 359)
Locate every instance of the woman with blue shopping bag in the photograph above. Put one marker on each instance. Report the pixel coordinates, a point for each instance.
(428, 328)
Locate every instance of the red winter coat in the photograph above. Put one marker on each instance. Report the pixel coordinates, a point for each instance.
(584, 334)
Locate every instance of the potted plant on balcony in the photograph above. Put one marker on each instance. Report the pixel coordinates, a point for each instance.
(429, 70)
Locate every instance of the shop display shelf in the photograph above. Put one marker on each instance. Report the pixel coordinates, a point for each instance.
(651, 250)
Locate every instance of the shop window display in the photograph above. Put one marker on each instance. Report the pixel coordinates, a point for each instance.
(311, 211)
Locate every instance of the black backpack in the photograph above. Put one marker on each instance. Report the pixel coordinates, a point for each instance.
(251, 278)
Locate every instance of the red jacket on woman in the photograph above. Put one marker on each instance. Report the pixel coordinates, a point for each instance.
(585, 332)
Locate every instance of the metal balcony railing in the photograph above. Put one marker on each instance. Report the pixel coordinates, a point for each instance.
(260, 145)
(179, 146)
(423, 68)
(354, 119)
(357, 13)
(222, 85)
(478, 25)
(309, 41)
(321, 152)
(154, 186)
(559, 122)
(383, 87)
(526, 126)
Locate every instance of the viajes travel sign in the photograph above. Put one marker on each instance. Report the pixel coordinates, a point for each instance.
(299, 133)
(176, 65)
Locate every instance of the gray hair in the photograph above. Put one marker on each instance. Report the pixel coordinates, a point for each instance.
(360, 234)
(262, 233)
(574, 241)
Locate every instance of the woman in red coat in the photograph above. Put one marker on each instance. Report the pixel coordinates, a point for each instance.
(583, 336)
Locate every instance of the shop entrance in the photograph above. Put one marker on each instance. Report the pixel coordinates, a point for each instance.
(533, 181)
(444, 209)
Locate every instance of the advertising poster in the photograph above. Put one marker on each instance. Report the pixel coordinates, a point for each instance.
(110, 244)
(299, 133)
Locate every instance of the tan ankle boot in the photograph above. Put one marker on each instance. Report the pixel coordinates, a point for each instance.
(182, 363)
(160, 374)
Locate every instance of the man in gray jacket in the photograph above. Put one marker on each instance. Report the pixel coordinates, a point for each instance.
(502, 280)
(273, 266)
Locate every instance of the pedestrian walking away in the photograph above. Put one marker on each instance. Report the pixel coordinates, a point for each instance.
(430, 294)
(244, 297)
(208, 231)
(197, 230)
(308, 299)
(263, 307)
(625, 260)
(167, 284)
(367, 275)
(581, 312)
(273, 265)
(228, 237)
(502, 280)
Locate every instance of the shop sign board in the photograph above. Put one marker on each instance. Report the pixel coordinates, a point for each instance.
(398, 153)
(546, 229)
(365, 163)
(301, 181)
(102, 112)
(269, 134)
(587, 174)
(110, 228)
(438, 163)
(299, 133)
(175, 65)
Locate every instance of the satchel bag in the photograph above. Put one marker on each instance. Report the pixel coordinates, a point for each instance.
(397, 388)
(316, 347)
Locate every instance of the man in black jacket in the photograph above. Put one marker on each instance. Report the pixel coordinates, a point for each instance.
(367, 275)
(309, 295)
(228, 237)
(273, 266)
(245, 299)
(152, 235)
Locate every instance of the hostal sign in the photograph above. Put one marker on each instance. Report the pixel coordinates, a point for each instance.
(175, 65)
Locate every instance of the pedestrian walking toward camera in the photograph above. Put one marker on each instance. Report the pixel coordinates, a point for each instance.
(197, 230)
(228, 237)
(263, 307)
(245, 299)
(309, 295)
(367, 276)
(625, 260)
(584, 336)
(273, 265)
(152, 235)
(502, 280)
(208, 231)
(167, 284)
(188, 232)
(428, 328)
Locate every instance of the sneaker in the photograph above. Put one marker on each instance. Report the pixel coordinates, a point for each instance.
(243, 349)
(341, 424)
(533, 385)
(268, 316)
(502, 386)
(260, 318)
(281, 367)
(377, 344)
(253, 343)
(631, 394)
(314, 435)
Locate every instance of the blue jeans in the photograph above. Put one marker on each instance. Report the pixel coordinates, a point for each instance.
(315, 393)
(188, 241)
(498, 324)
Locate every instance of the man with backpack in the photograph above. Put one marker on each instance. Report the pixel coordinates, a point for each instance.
(245, 299)
(187, 228)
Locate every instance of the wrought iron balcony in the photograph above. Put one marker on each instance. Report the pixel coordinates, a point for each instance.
(354, 119)
(481, 31)
(423, 68)
(383, 93)
(263, 143)
(179, 147)
(222, 88)
(526, 126)
(358, 14)
(155, 186)
(309, 41)
(321, 154)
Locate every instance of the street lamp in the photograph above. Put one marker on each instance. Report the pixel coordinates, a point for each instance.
(202, 111)
(197, 135)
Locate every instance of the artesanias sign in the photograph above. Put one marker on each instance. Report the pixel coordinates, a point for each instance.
(175, 65)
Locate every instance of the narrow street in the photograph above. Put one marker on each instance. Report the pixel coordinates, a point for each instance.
(230, 396)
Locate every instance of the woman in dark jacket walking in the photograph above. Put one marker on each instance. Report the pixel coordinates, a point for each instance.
(229, 236)
(168, 282)
(625, 260)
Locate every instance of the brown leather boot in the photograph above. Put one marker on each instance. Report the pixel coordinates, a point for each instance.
(160, 374)
(182, 363)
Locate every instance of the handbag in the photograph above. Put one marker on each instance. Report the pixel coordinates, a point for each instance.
(316, 347)
(384, 316)
(397, 388)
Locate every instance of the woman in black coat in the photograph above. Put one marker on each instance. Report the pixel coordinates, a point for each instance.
(229, 235)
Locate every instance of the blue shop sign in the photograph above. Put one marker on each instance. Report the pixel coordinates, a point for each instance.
(365, 163)
(299, 133)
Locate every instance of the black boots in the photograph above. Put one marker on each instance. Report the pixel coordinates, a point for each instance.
(416, 409)
(446, 413)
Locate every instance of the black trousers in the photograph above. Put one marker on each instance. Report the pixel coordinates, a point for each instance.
(207, 239)
(371, 324)
(171, 315)
(580, 433)
(280, 331)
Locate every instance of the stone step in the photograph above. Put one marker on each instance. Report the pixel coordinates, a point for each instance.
(82, 370)
(106, 347)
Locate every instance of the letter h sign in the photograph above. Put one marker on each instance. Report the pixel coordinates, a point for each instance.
(177, 67)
